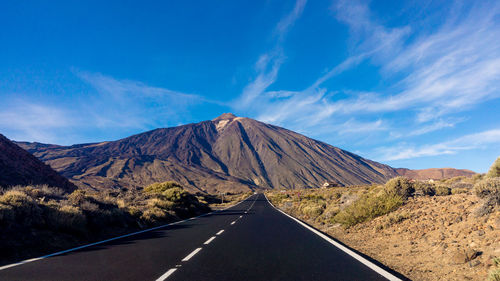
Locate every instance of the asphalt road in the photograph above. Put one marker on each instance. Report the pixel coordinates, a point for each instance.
(250, 241)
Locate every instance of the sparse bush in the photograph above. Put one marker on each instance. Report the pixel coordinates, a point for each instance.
(337, 195)
(441, 190)
(330, 212)
(459, 190)
(278, 197)
(175, 194)
(154, 215)
(77, 197)
(162, 187)
(423, 188)
(24, 210)
(399, 186)
(368, 207)
(489, 190)
(486, 206)
(494, 274)
(162, 204)
(312, 209)
(67, 219)
(494, 170)
(489, 187)
(35, 220)
(463, 185)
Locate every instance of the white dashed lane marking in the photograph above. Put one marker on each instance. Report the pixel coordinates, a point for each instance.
(167, 274)
(209, 240)
(188, 257)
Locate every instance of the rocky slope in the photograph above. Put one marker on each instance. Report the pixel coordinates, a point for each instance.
(19, 167)
(228, 153)
(434, 173)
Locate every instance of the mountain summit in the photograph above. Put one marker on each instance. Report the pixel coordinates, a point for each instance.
(225, 116)
(227, 153)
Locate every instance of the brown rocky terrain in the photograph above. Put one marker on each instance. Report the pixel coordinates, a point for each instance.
(452, 236)
(434, 173)
(19, 167)
(438, 238)
(228, 153)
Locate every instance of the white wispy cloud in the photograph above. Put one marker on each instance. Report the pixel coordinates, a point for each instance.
(111, 105)
(286, 22)
(269, 63)
(130, 104)
(467, 142)
(120, 88)
(25, 120)
(434, 74)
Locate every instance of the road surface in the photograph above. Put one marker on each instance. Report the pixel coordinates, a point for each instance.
(249, 241)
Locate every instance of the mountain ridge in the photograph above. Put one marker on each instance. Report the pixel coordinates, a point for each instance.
(225, 154)
(434, 173)
(19, 167)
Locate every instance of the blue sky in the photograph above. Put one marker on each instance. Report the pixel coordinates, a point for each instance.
(408, 83)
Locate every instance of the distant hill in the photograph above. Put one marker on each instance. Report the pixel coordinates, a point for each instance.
(19, 167)
(434, 173)
(228, 153)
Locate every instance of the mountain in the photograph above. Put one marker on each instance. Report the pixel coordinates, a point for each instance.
(434, 173)
(228, 153)
(19, 167)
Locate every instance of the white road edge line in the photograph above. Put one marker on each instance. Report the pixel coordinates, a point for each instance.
(188, 257)
(111, 239)
(233, 222)
(209, 240)
(220, 232)
(348, 251)
(241, 217)
(166, 274)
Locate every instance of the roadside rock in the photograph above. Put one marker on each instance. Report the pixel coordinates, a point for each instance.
(463, 255)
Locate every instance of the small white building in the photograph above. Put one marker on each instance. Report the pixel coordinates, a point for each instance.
(328, 184)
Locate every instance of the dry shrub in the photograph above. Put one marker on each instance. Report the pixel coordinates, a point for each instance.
(312, 209)
(175, 194)
(494, 274)
(489, 187)
(29, 214)
(459, 190)
(399, 186)
(423, 188)
(368, 207)
(441, 190)
(162, 204)
(162, 187)
(488, 190)
(77, 197)
(67, 219)
(463, 185)
(330, 212)
(154, 214)
(23, 209)
(494, 170)
(477, 177)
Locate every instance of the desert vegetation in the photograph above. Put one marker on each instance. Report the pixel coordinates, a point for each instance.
(409, 225)
(349, 206)
(38, 220)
